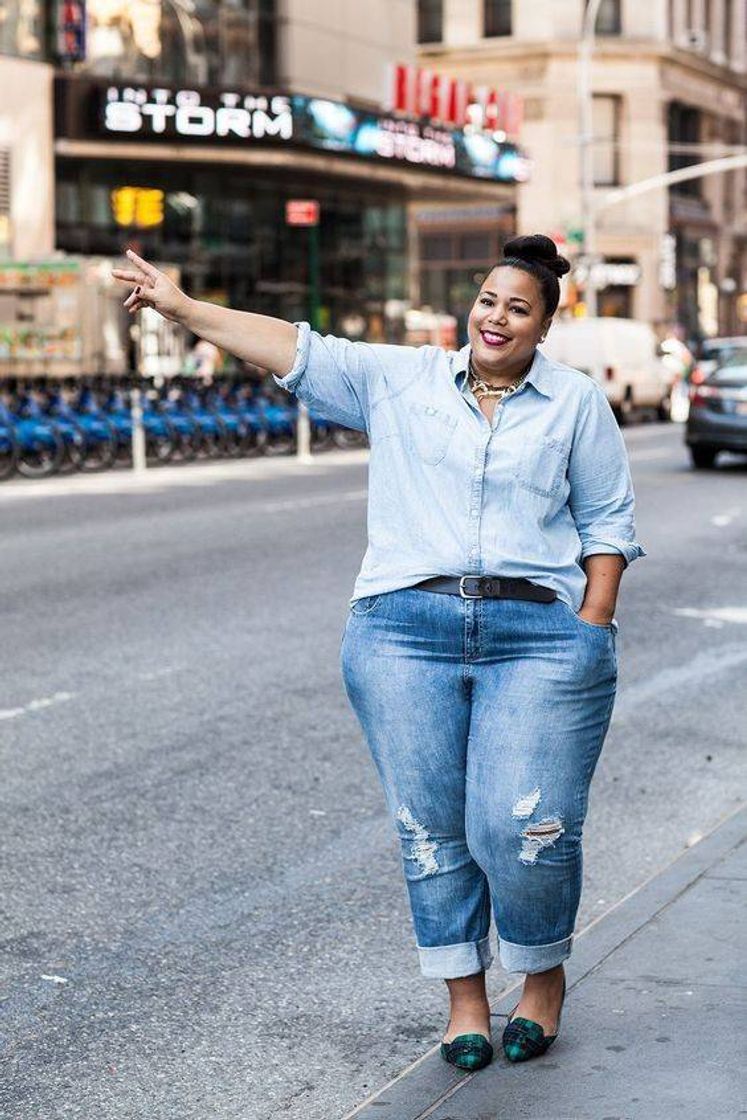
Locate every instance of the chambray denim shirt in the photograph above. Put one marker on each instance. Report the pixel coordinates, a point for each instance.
(531, 494)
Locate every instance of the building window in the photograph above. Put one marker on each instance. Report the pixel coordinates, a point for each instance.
(728, 17)
(22, 28)
(208, 42)
(609, 17)
(430, 21)
(683, 127)
(606, 128)
(496, 18)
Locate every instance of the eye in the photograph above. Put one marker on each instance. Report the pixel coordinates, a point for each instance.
(521, 310)
(486, 301)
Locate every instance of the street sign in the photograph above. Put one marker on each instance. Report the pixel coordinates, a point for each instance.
(302, 212)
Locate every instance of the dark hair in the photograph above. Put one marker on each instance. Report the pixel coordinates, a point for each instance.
(538, 255)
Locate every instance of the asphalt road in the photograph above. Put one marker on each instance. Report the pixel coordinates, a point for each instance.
(203, 914)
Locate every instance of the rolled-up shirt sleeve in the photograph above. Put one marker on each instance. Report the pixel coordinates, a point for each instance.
(601, 488)
(333, 376)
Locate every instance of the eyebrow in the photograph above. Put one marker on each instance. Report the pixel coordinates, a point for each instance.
(486, 292)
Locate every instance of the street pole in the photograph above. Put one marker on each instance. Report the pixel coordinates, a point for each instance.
(139, 461)
(586, 150)
(303, 450)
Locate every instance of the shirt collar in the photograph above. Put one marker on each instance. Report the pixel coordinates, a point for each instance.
(540, 373)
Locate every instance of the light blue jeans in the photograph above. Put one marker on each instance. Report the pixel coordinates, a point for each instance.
(485, 719)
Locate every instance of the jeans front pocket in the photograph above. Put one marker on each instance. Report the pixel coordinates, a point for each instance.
(365, 605)
(430, 431)
(612, 625)
(542, 466)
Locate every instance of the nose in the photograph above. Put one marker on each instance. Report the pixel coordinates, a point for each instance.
(497, 314)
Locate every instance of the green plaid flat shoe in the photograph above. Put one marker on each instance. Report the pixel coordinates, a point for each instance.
(468, 1051)
(524, 1039)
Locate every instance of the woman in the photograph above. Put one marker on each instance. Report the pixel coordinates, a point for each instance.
(479, 650)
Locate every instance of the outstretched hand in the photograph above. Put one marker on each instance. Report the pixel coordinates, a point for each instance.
(152, 289)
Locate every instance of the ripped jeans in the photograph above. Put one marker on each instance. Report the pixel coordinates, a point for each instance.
(485, 719)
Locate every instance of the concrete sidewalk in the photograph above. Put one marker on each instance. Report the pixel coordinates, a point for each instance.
(655, 1015)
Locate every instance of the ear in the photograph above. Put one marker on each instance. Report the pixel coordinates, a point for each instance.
(545, 328)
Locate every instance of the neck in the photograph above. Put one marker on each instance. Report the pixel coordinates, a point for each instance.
(500, 377)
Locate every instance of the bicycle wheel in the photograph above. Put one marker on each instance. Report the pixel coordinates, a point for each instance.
(41, 455)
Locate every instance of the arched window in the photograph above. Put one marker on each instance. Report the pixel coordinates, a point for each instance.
(609, 17)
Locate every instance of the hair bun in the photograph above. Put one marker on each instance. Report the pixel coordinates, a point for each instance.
(539, 250)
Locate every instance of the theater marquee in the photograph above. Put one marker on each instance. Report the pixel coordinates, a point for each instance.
(88, 109)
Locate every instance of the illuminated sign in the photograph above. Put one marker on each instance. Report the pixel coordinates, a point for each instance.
(302, 212)
(71, 30)
(160, 112)
(235, 119)
(425, 93)
(141, 207)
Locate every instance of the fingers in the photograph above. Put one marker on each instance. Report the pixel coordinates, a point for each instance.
(148, 269)
(128, 277)
(133, 297)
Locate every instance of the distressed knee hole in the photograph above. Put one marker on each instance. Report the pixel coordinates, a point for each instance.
(537, 836)
(423, 849)
(526, 805)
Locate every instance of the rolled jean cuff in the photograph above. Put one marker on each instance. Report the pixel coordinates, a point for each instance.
(448, 962)
(533, 958)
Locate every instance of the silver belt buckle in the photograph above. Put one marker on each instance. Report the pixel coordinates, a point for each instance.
(462, 592)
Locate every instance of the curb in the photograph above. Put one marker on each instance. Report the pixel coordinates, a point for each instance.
(420, 1088)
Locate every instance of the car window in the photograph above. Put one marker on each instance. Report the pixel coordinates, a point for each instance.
(722, 348)
(714, 351)
(732, 372)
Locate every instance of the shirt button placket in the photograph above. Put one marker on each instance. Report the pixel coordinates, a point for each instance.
(478, 480)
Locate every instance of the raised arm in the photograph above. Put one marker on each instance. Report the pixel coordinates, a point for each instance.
(260, 339)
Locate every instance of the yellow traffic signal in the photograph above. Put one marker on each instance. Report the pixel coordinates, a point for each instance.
(141, 207)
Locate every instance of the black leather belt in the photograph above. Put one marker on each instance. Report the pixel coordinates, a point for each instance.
(489, 587)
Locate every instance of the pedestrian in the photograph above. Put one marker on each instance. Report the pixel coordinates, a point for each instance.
(479, 651)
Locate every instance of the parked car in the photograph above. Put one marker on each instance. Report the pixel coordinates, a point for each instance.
(621, 355)
(718, 412)
(714, 351)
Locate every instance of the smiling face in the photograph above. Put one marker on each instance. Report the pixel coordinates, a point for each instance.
(506, 322)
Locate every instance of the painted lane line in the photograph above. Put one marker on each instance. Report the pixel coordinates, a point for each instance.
(37, 705)
(710, 615)
(726, 518)
(283, 504)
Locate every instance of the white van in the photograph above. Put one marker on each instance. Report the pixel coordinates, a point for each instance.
(621, 355)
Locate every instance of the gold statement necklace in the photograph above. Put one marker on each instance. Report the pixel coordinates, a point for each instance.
(485, 389)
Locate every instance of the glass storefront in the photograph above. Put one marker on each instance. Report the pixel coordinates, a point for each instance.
(453, 262)
(224, 226)
(22, 28)
(196, 42)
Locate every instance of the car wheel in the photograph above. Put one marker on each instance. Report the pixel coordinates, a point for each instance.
(703, 457)
(664, 411)
(624, 410)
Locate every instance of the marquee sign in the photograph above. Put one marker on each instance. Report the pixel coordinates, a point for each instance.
(235, 118)
(186, 113)
(425, 93)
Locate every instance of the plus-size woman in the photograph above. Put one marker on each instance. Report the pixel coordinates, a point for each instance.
(479, 649)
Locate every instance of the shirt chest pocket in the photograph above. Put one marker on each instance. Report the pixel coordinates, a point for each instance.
(430, 430)
(542, 466)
